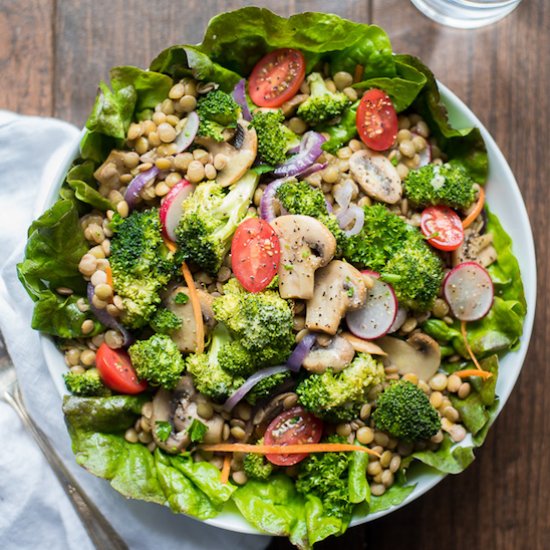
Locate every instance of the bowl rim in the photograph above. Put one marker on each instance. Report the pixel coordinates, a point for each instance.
(230, 519)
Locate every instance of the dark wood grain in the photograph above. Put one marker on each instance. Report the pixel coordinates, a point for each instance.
(27, 56)
(52, 55)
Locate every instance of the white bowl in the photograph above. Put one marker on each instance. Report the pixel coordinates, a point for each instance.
(504, 199)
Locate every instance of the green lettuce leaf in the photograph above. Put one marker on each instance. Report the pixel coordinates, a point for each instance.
(343, 131)
(80, 179)
(394, 496)
(479, 438)
(447, 459)
(359, 489)
(319, 524)
(275, 507)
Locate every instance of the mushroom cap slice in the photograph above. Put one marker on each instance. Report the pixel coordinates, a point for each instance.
(186, 336)
(339, 288)
(362, 346)
(475, 248)
(376, 175)
(179, 408)
(239, 158)
(306, 245)
(419, 355)
(337, 355)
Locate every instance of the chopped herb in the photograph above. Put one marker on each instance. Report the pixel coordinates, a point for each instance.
(197, 431)
(394, 161)
(351, 292)
(181, 298)
(163, 430)
(288, 267)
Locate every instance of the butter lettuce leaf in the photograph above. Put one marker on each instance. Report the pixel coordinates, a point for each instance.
(80, 179)
(448, 459)
(394, 496)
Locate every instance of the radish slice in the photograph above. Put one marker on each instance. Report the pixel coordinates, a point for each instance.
(376, 317)
(469, 291)
(170, 210)
(187, 135)
(400, 318)
(426, 154)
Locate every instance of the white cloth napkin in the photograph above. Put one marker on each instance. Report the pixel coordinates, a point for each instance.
(34, 511)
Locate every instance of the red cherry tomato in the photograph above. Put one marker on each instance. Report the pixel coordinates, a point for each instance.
(116, 371)
(255, 254)
(277, 77)
(445, 223)
(293, 427)
(376, 120)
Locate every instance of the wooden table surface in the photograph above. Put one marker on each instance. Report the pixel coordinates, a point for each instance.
(53, 53)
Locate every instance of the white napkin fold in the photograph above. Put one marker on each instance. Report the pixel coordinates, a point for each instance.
(34, 511)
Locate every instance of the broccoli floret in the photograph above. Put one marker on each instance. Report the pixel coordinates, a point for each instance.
(382, 235)
(261, 324)
(210, 217)
(404, 411)
(266, 387)
(256, 466)
(298, 197)
(448, 184)
(165, 321)
(217, 111)
(325, 475)
(86, 384)
(274, 138)
(415, 273)
(141, 264)
(157, 360)
(338, 396)
(209, 377)
(322, 104)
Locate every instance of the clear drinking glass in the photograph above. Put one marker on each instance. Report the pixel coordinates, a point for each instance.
(466, 14)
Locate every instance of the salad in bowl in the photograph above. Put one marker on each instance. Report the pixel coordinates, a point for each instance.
(275, 279)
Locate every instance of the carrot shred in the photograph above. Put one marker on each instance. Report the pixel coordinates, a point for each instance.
(170, 245)
(473, 372)
(286, 449)
(226, 468)
(467, 344)
(109, 273)
(468, 220)
(195, 303)
(358, 73)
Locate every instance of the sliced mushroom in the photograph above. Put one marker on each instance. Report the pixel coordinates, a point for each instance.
(419, 355)
(362, 346)
(186, 336)
(306, 245)
(339, 288)
(109, 172)
(376, 175)
(337, 355)
(475, 248)
(240, 156)
(179, 408)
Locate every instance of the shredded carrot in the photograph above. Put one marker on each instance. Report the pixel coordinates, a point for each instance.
(170, 245)
(195, 303)
(226, 468)
(467, 344)
(468, 220)
(358, 73)
(109, 273)
(473, 372)
(286, 449)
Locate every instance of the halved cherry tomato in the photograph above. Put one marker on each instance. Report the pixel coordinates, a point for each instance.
(116, 371)
(445, 223)
(255, 254)
(277, 77)
(376, 120)
(292, 427)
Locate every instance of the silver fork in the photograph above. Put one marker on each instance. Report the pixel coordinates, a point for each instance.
(100, 531)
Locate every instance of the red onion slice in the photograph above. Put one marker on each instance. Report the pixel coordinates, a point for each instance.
(137, 184)
(267, 207)
(353, 214)
(300, 352)
(316, 167)
(250, 383)
(310, 150)
(185, 138)
(105, 318)
(239, 95)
